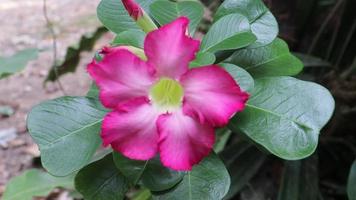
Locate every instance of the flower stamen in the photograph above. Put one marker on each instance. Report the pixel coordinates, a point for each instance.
(167, 93)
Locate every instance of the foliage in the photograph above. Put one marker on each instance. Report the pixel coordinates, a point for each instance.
(166, 11)
(209, 180)
(63, 125)
(101, 181)
(17, 62)
(351, 184)
(283, 117)
(35, 183)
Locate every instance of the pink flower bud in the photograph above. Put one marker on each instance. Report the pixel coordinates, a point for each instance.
(133, 8)
(139, 15)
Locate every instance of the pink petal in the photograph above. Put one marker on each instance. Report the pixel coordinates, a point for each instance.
(211, 95)
(131, 129)
(170, 50)
(121, 76)
(183, 141)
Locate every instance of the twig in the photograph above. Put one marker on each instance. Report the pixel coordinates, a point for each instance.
(346, 43)
(214, 5)
(350, 70)
(335, 34)
(54, 41)
(323, 26)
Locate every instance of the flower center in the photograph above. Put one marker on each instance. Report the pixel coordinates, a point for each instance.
(167, 93)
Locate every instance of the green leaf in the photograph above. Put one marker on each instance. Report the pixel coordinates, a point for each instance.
(285, 115)
(67, 132)
(6, 111)
(72, 57)
(263, 24)
(265, 28)
(300, 180)
(230, 32)
(351, 183)
(252, 9)
(243, 161)
(164, 12)
(113, 15)
(153, 175)
(93, 91)
(270, 60)
(203, 59)
(309, 187)
(242, 77)
(222, 136)
(34, 183)
(17, 62)
(312, 61)
(291, 180)
(131, 37)
(208, 180)
(144, 194)
(101, 181)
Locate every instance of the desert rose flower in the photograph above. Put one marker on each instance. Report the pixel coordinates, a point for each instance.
(159, 105)
(139, 15)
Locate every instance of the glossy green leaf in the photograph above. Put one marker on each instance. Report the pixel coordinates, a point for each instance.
(291, 180)
(265, 28)
(203, 59)
(222, 136)
(67, 132)
(285, 115)
(242, 77)
(152, 174)
(144, 194)
(209, 180)
(263, 23)
(34, 183)
(230, 32)
(252, 9)
(101, 181)
(243, 161)
(270, 60)
(17, 62)
(164, 12)
(309, 187)
(130, 37)
(113, 15)
(351, 183)
(300, 180)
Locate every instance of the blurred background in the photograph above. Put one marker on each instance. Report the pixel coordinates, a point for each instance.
(65, 33)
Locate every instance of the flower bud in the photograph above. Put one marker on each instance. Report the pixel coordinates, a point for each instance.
(139, 15)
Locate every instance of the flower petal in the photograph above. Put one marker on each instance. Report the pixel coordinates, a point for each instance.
(170, 50)
(131, 129)
(183, 141)
(211, 95)
(121, 76)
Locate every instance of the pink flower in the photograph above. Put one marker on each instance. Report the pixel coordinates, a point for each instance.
(160, 105)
